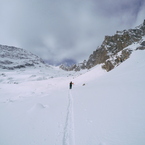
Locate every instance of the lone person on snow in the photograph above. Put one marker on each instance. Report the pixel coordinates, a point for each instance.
(70, 85)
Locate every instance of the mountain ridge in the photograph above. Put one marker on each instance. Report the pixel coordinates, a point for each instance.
(109, 48)
(111, 53)
(15, 58)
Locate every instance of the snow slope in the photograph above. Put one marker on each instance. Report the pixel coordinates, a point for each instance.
(12, 58)
(37, 108)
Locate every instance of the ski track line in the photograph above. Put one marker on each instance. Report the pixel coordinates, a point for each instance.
(69, 134)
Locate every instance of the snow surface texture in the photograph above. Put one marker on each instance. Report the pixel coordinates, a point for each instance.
(37, 107)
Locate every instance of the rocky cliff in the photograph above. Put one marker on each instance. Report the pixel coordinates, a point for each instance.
(113, 50)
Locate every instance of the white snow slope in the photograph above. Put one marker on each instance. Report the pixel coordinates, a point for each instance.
(38, 109)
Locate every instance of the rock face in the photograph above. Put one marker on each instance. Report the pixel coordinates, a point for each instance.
(14, 58)
(111, 46)
(142, 47)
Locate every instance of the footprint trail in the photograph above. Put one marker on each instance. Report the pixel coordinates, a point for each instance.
(69, 133)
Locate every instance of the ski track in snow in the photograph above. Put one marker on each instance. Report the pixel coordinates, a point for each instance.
(69, 134)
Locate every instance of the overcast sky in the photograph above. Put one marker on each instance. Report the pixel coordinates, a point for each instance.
(58, 30)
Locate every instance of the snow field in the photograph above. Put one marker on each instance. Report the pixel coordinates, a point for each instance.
(39, 109)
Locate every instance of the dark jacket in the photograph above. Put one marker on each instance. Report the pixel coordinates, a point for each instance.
(70, 85)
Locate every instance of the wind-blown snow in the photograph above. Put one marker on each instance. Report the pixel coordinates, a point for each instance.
(37, 107)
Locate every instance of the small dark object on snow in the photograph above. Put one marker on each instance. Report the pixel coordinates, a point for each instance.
(70, 85)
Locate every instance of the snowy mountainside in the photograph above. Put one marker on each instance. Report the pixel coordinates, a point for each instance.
(110, 47)
(26, 66)
(115, 107)
(42, 73)
(103, 108)
(13, 58)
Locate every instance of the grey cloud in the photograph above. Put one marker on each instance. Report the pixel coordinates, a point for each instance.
(67, 29)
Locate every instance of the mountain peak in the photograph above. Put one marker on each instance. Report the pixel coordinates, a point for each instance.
(12, 58)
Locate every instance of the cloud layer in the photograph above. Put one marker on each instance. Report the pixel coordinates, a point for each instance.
(67, 29)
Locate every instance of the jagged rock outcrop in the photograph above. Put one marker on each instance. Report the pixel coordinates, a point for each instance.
(16, 58)
(74, 67)
(107, 53)
(116, 60)
(142, 47)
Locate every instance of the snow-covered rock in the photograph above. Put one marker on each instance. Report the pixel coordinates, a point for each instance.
(14, 58)
(120, 43)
